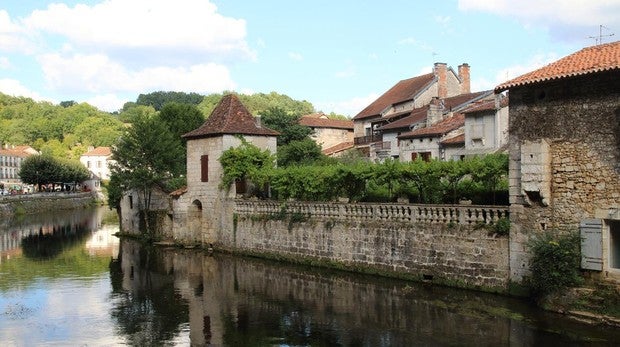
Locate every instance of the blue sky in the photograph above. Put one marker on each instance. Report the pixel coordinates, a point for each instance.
(339, 55)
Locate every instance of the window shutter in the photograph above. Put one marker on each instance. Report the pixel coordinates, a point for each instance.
(204, 168)
(591, 244)
(414, 156)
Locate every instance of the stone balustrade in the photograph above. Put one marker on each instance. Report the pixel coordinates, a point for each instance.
(412, 213)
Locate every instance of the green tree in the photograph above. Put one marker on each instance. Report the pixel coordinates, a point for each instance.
(39, 170)
(72, 171)
(146, 156)
(287, 124)
(181, 118)
(304, 152)
(158, 99)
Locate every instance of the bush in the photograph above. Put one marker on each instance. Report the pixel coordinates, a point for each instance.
(555, 262)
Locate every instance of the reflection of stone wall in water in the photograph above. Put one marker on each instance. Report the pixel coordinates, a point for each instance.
(36, 203)
(233, 292)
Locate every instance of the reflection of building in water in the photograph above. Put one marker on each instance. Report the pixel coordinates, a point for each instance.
(13, 231)
(103, 241)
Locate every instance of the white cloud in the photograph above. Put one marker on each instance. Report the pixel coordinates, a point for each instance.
(15, 88)
(4, 63)
(182, 26)
(107, 102)
(411, 41)
(295, 56)
(349, 107)
(564, 18)
(12, 36)
(98, 74)
(513, 71)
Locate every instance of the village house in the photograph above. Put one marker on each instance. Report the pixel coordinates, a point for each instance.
(486, 127)
(97, 161)
(401, 100)
(11, 159)
(564, 147)
(328, 132)
(400, 133)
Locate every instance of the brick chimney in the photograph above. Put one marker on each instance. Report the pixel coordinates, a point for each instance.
(464, 77)
(441, 72)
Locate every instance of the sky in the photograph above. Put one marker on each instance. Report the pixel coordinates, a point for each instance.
(340, 55)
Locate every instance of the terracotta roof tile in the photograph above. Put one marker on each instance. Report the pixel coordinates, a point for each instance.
(18, 151)
(588, 60)
(453, 141)
(338, 148)
(177, 193)
(416, 116)
(99, 152)
(326, 123)
(441, 128)
(401, 91)
(230, 117)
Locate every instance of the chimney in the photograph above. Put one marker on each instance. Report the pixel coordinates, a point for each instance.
(464, 77)
(259, 123)
(435, 111)
(441, 72)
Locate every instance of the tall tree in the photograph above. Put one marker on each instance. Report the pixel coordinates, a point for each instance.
(146, 156)
(287, 124)
(181, 118)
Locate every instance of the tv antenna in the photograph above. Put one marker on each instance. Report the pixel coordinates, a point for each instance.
(599, 39)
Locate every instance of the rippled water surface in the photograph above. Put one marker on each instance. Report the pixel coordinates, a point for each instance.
(65, 280)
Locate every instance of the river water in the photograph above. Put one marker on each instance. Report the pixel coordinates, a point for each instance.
(65, 280)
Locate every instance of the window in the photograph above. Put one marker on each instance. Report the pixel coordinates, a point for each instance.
(414, 156)
(88, 164)
(99, 163)
(426, 156)
(131, 201)
(204, 168)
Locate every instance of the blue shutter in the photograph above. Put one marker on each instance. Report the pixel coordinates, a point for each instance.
(591, 244)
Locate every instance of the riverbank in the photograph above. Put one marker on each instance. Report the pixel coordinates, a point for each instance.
(41, 202)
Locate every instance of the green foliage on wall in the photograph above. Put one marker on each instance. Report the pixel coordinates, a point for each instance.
(555, 262)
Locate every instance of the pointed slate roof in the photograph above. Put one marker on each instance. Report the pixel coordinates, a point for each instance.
(588, 60)
(232, 118)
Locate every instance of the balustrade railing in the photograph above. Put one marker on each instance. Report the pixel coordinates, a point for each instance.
(413, 213)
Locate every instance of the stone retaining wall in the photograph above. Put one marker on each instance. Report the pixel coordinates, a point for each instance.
(450, 244)
(34, 203)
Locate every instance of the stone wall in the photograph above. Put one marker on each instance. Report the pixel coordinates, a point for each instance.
(573, 126)
(40, 202)
(454, 245)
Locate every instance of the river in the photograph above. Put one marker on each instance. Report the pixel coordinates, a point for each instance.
(66, 280)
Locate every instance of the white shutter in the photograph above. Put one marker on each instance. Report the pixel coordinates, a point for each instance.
(591, 244)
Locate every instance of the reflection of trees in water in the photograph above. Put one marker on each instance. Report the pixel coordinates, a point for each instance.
(145, 305)
(50, 243)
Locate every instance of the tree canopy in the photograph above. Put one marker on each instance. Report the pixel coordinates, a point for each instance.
(157, 100)
(44, 169)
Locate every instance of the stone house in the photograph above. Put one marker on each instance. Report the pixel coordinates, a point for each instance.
(199, 209)
(11, 158)
(426, 143)
(399, 102)
(437, 111)
(328, 132)
(98, 161)
(486, 127)
(564, 147)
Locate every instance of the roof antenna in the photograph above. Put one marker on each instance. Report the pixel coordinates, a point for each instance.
(599, 39)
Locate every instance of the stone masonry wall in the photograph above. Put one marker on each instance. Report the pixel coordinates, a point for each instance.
(579, 120)
(35, 203)
(453, 245)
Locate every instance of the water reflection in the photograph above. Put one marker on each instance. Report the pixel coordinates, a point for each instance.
(66, 280)
(235, 301)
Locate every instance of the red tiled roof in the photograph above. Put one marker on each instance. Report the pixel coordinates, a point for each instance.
(458, 101)
(441, 128)
(326, 123)
(230, 117)
(401, 91)
(99, 152)
(18, 151)
(416, 116)
(588, 60)
(338, 148)
(456, 140)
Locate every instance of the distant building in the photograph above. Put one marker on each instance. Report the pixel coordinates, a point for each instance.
(11, 159)
(401, 101)
(328, 132)
(97, 161)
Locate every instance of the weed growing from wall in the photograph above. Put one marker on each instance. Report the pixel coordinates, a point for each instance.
(555, 262)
